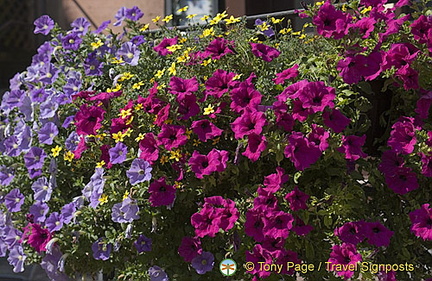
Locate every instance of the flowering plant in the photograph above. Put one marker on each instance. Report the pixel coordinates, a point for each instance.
(171, 150)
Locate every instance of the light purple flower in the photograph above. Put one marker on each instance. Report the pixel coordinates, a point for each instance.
(72, 141)
(67, 212)
(16, 258)
(133, 13)
(47, 133)
(42, 189)
(118, 153)
(14, 200)
(143, 244)
(48, 74)
(34, 159)
(48, 109)
(129, 53)
(92, 66)
(203, 263)
(139, 171)
(39, 211)
(80, 26)
(101, 250)
(157, 274)
(43, 25)
(71, 41)
(54, 222)
(127, 211)
(94, 189)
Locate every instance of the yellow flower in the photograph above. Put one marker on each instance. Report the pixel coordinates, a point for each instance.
(103, 199)
(208, 32)
(188, 133)
(218, 18)
(206, 62)
(156, 19)
(161, 86)
(176, 155)
(163, 159)
(319, 3)
(215, 141)
(296, 33)
(117, 88)
(56, 151)
(191, 16)
(100, 164)
(167, 19)
(344, 8)
(365, 10)
(138, 85)
(303, 36)
(264, 26)
(126, 194)
(204, 18)
(68, 156)
(96, 44)
(140, 137)
(138, 106)
(184, 9)
(116, 60)
(125, 113)
(174, 47)
(276, 21)
(159, 73)
(178, 184)
(145, 27)
(237, 76)
(196, 142)
(129, 121)
(232, 20)
(126, 76)
(183, 58)
(172, 69)
(168, 121)
(209, 110)
(118, 137)
(182, 40)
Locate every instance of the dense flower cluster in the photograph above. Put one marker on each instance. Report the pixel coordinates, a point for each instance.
(222, 141)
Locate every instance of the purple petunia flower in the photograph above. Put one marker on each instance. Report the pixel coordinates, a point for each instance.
(42, 189)
(6, 175)
(101, 249)
(143, 244)
(133, 13)
(203, 262)
(118, 153)
(43, 25)
(67, 212)
(80, 26)
(402, 137)
(277, 224)
(14, 200)
(266, 53)
(47, 133)
(54, 222)
(377, 234)
(161, 194)
(39, 211)
(94, 189)
(34, 159)
(157, 274)
(71, 41)
(126, 211)
(138, 40)
(92, 65)
(48, 108)
(139, 171)
(53, 264)
(421, 220)
(269, 32)
(289, 73)
(129, 53)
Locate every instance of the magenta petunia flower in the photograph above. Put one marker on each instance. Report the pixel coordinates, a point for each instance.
(409, 77)
(206, 222)
(352, 147)
(352, 232)
(161, 194)
(259, 254)
(301, 151)
(317, 96)
(297, 199)
(89, 119)
(256, 145)
(201, 165)
(402, 137)
(421, 220)
(335, 120)
(36, 236)
(220, 157)
(300, 228)
(189, 248)
(331, 23)
(254, 224)
(289, 73)
(420, 28)
(364, 26)
(402, 181)
(245, 96)
(345, 254)
(205, 130)
(426, 165)
(187, 106)
(266, 53)
(319, 136)
(377, 234)
(172, 136)
(249, 122)
(390, 162)
(218, 48)
(277, 224)
(355, 68)
(274, 182)
(149, 148)
(179, 86)
(220, 83)
(161, 48)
